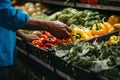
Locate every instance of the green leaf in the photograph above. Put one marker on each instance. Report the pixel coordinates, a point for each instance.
(100, 65)
(61, 53)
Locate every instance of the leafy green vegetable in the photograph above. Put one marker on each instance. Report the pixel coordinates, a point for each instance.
(73, 17)
(41, 15)
(96, 56)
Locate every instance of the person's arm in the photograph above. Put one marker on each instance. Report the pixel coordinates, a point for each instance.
(28, 37)
(56, 28)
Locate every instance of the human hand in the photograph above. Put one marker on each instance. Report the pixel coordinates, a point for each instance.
(56, 28)
(60, 30)
(30, 37)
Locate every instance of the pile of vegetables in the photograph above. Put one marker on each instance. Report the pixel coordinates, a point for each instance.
(97, 56)
(114, 20)
(32, 8)
(76, 18)
(83, 34)
(85, 24)
(86, 34)
(48, 41)
(97, 29)
(41, 15)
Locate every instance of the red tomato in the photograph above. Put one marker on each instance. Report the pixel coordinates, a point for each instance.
(46, 33)
(52, 40)
(37, 42)
(49, 45)
(65, 40)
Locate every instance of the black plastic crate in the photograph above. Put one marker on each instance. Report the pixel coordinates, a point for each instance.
(77, 72)
(33, 75)
(74, 71)
(41, 54)
(20, 43)
(113, 71)
(31, 49)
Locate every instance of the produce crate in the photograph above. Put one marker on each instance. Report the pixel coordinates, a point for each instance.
(22, 67)
(73, 71)
(113, 73)
(44, 55)
(21, 43)
(33, 75)
(49, 57)
(34, 50)
(77, 72)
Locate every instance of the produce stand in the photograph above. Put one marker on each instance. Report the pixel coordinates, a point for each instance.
(53, 67)
(77, 72)
(37, 65)
(44, 64)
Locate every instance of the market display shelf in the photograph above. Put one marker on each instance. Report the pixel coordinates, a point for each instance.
(48, 71)
(80, 5)
(56, 64)
(41, 54)
(34, 58)
(99, 7)
(60, 3)
(21, 43)
(79, 72)
(76, 72)
(53, 63)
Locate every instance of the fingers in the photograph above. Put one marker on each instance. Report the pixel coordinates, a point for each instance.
(61, 30)
(68, 29)
(30, 37)
(35, 37)
(66, 33)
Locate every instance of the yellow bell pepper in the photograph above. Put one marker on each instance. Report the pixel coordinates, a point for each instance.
(109, 27)
(88, 32)
(113, 19)
(98, 29)
(113, 40)
(79, 35)
(117, 25)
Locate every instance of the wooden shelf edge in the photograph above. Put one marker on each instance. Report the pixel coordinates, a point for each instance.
(58, 3)
(100, 7)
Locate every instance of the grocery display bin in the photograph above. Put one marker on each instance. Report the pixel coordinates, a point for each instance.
(36, 57)
(44, 64)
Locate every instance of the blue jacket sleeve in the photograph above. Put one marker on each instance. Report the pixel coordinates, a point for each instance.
(19, 20)
(12, 18)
